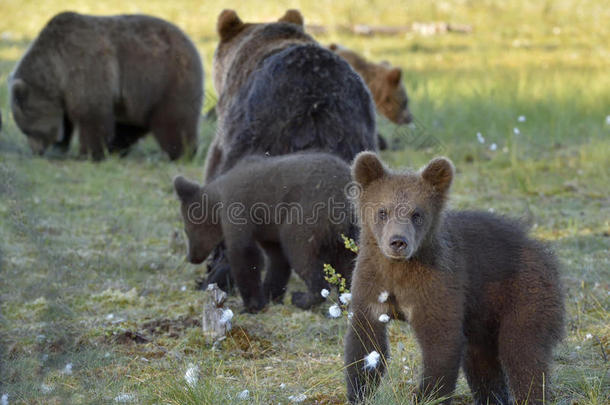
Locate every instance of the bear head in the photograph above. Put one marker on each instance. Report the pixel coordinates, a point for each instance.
(390, 95)
(38, 116)
(231, 29)
(400, 210)
(201, 219)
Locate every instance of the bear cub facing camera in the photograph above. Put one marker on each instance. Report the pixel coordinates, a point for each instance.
(292, 207)
(479, 293)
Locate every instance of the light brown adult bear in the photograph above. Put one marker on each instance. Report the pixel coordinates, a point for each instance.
(384, 82)
(281, 92)
(292, 207)
(477, 291)
(111, 79)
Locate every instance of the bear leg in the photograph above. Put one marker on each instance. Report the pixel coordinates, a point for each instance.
(245, 260)
(175, 134)
(94, 132)
(441, 340)
(525, 354)
(277, 272)
(310, 269)
(485, 376)
(364, 335)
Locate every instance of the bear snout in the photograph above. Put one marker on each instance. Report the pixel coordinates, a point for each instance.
(398, 245)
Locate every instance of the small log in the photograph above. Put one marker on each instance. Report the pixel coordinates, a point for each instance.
(216, 321)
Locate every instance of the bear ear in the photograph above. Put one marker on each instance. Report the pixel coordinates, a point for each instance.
(19, 91)
(293, 16)
(228, 24)
(367, 168)
(333, 47)
(439, 173)
(185, 189)
(393, 76)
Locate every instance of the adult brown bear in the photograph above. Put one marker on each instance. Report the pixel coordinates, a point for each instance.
(113, 79)
(281, 92)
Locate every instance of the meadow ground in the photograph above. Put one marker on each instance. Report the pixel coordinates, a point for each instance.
(99, 306)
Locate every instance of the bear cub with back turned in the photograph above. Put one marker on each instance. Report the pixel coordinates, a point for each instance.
(479, 293)
(292, 207)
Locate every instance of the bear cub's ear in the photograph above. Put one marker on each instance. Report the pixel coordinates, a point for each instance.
(439, 173)
(228, 24)
(367, 168)
(185, 189)
(393, 76)
(293, 16)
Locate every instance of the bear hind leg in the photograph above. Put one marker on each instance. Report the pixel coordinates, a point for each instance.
(525, 357)
(485, 376)
(245, 260)
(175, 134)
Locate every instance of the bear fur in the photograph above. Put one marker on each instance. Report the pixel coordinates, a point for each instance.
(113, 79)
(477, 291)
(384, 82)
(281, 92)
(293, 207)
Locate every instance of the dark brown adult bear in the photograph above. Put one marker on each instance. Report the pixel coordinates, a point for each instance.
(294, 207)
(476, 289)
(112, 79)
(281, 92)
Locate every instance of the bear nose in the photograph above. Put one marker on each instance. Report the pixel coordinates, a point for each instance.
(398, 243)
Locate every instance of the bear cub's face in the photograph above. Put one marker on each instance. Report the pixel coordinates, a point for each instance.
(38, 117)
(400, 210)
(202, 227)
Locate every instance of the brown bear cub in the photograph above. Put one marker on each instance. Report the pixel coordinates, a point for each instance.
(112, 79)
(384, 82)
(478, 292)
(292, 207)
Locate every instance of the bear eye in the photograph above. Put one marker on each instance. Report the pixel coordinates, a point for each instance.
(417, 218)
(383, 214)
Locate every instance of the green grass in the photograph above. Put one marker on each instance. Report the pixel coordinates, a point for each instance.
(85, 251)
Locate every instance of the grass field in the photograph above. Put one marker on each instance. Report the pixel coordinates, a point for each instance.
(98, 305)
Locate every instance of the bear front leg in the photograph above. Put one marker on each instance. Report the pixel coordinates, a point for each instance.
(365, 335)
(94, 132)
(245, 260)
(441, 341)
(277, 272)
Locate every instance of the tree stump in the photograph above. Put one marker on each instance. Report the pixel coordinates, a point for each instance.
(216, 320)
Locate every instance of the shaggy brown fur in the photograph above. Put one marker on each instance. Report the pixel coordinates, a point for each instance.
(281, 92)
(384, 82)
(280, 204)
(478, 292)
(111, 78)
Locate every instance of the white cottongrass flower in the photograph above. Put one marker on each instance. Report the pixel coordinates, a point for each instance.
(578, 347)
(493, 147)
(46, 388)
(521, 118)
(383, 297)
(324, 293)
(371, 360)
(4, 399)
(516, 131)
(334, 311)
(110, 317)
(282, 385)
(226, 317)
(297, 398)
(192, 375)
(68, 369)
(123, 398)
(608, 120)
(480, 138)
(384, 318)
(350, 315)
(345, 298)
(245, 394)
(588, 336)
(183, 288)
